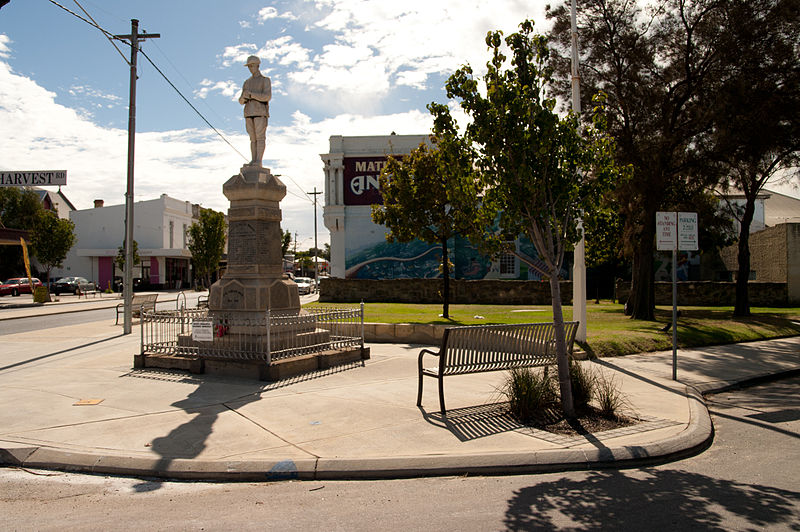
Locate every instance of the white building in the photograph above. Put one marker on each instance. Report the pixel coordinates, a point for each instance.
(351, 186)
(160, 231)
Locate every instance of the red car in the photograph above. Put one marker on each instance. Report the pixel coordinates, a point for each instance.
(18, 285)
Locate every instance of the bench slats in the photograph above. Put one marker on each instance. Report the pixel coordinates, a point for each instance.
(474, 349)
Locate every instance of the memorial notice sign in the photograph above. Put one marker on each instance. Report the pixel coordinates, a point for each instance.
(202, 330)
(32, 178)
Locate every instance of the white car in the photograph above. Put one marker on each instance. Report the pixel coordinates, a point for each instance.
(305, 285)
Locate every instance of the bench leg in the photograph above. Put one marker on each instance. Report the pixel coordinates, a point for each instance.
(419, 390)
(441, 395)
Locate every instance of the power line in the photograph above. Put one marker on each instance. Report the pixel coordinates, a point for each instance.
(190, 105)
(112, 37)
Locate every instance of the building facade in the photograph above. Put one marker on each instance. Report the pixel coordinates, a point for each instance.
(160, 231)
(359, 249)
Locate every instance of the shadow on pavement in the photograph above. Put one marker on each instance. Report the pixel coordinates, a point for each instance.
(188, 440)
(621, 501)
(43, 357)
(474, 422)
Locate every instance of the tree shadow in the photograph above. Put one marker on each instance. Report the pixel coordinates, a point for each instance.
(650, 500)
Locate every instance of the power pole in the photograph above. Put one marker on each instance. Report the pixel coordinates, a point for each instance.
(127, 286)
(316, 249)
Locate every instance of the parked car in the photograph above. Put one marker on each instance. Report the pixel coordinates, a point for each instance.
(71, 285)
(118, 281)
(305, 285)
(18, 285)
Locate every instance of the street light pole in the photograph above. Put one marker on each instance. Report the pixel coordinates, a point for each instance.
(127, 286)
(579, 255)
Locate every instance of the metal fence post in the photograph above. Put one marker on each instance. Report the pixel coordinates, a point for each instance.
(362, 324)
(269, 339)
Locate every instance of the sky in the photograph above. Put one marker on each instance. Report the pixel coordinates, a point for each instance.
(338, 67)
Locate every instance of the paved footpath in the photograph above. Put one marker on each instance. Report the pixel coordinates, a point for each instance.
(353, 421)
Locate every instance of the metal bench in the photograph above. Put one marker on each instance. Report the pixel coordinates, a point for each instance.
(84, 289)
(139, 302)
(476, 349)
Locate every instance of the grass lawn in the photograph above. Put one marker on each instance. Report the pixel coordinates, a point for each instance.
(610, 332)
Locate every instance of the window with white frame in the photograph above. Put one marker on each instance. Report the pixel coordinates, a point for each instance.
(508, 265)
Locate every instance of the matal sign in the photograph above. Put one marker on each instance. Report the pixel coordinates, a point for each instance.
(676, 231)
(32, 178)
(202, 330)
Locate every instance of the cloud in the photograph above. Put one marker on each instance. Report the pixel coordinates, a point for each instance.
(5, 50)
(187, 164)
(226, 88)
(367, 49)
(268, 13)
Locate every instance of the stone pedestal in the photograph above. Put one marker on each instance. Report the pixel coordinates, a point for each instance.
(253, 281)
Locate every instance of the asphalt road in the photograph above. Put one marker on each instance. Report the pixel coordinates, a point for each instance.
(747, 480)
(83, 316)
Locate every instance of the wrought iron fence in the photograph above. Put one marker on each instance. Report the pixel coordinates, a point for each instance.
(269, 336)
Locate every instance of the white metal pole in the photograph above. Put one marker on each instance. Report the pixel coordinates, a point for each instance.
(675, 312)
(579, 255)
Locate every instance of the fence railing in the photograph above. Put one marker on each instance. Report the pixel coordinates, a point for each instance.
(269, 336)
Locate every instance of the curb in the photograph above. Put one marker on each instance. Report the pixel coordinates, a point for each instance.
(697, 436)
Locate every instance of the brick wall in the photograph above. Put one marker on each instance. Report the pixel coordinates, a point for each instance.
(428, 291)
(713, 294)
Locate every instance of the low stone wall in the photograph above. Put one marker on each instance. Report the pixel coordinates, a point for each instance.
(713, 294)
(491, 292)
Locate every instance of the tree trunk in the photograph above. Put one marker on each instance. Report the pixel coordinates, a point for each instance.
(564, 383)
(641, 302)
(446, 274)
(742, 307)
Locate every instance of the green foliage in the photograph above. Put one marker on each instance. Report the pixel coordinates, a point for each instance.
(119, 260)
(659, 68)
(207, 243)
(756, 135)
(540, 170)
(529, 392)
(583, 382)
(432, 193)
(286, 241)
(51, 240)
(610, 399)
(41, 295)
(19, 209)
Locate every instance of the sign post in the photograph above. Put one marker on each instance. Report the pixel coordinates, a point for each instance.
(676, 231)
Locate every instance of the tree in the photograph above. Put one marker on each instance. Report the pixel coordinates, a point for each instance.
(432, 193)
(757, 132)
(51, 240)
(119, 260)
(539, 170)
(19, 209)
(207, 243)
(658, 67)
(286, 241)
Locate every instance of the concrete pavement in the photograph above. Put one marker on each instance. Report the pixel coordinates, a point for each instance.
(72, 401)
